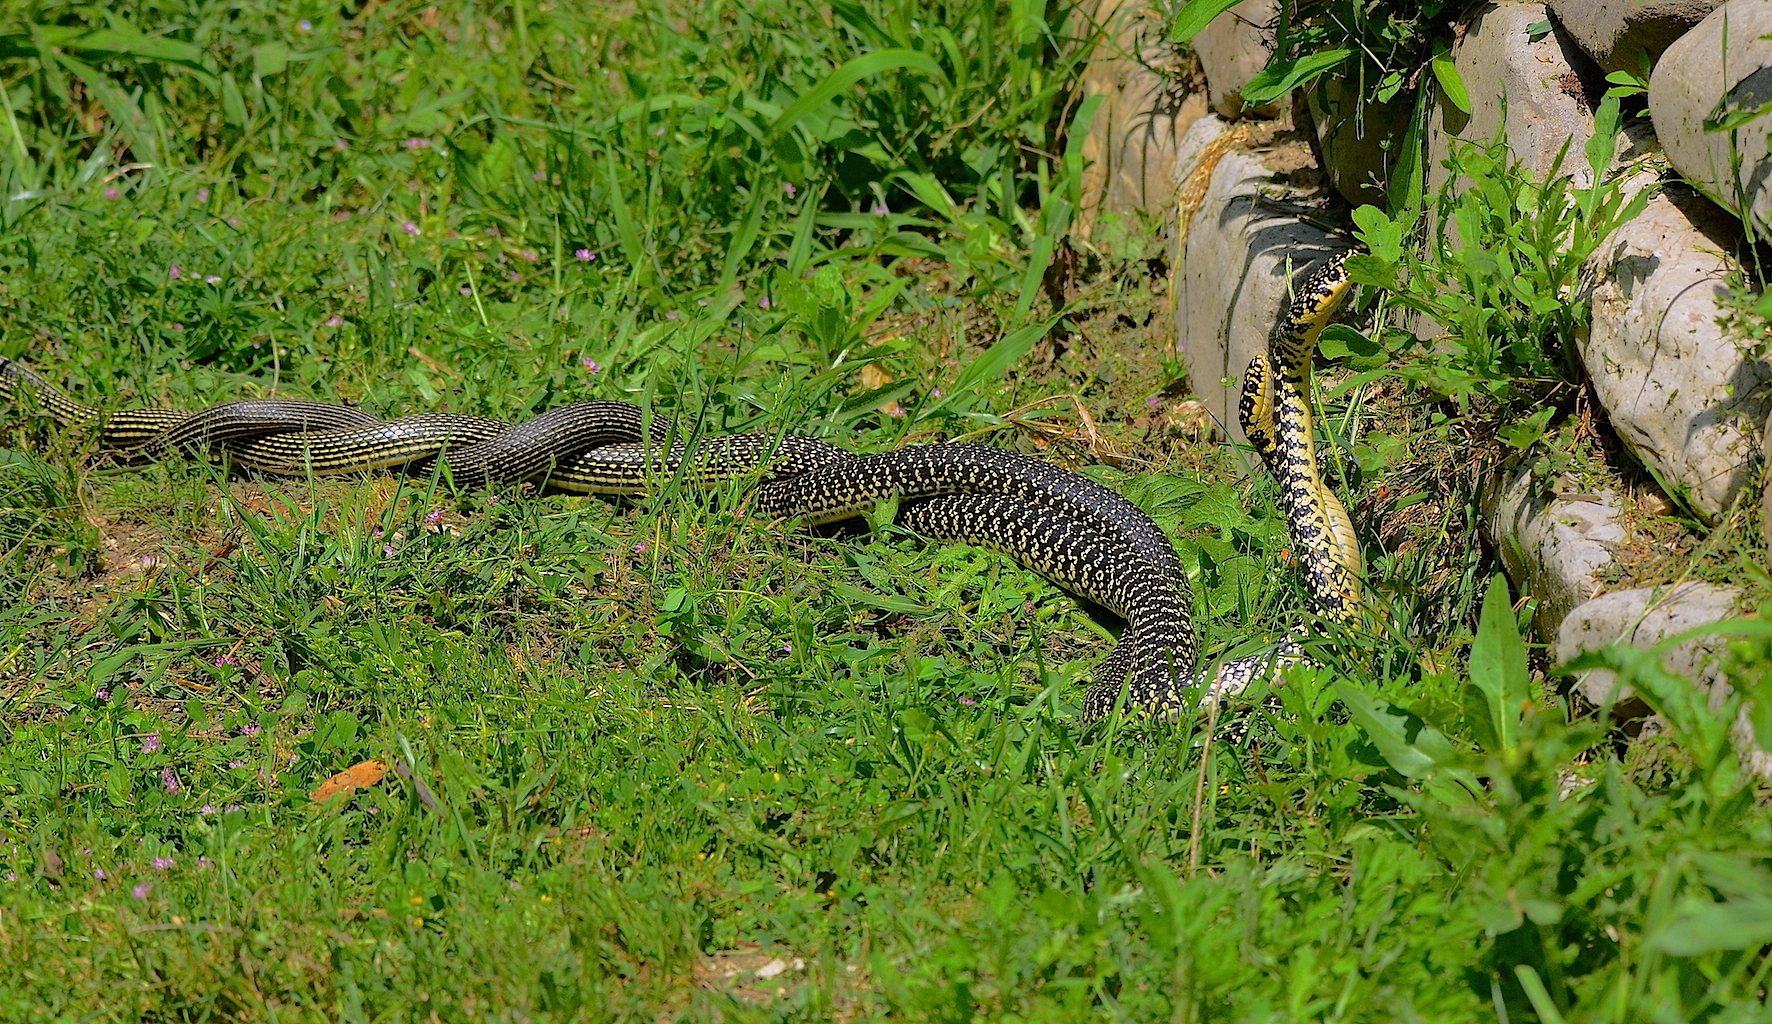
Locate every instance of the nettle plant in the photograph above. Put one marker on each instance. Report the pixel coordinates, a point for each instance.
(1499, 274)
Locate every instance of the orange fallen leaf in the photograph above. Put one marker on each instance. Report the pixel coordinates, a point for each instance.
(361, 775)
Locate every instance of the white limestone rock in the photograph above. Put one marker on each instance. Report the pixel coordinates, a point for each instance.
(1129, 153)
(1557, 540)
(1537, 90)
(1621, 34)
(1680, 393)
(1644, 617)
(1722, 66)
(1232, 49)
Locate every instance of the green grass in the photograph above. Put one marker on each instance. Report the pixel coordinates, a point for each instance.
(635, 746)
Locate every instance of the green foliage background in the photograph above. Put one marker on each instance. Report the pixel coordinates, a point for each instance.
(634, 743)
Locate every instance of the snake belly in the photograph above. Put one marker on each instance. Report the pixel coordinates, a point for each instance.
(1275, 412)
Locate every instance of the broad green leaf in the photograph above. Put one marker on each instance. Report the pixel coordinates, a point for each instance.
(1529, 431)
(1409, 745)
(119, 783)
(1382, 234)
(862, 404)
(1706, 928)
(851, 73)
(930, 193)
(1599, 148)
(1498, 668)
(269, 59)
(1282, 76)
(1408, 183)
(993, 362)
(1339, 341)
(886, 602)
(1196, 16)
(132, 43)
(1446, 73)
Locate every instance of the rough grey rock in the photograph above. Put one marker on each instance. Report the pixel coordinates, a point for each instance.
(1619, 34)
(1538, 92)
(1232, 49)
(1129, 153)
(1358, 139)
(1235, 256)
(1556, 540)
(1724, 65)
(1644, 617)
(1680, 393)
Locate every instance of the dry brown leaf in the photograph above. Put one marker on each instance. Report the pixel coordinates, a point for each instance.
(361, 775)
(873, 375)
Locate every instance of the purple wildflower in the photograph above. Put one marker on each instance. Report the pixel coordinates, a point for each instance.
(465, 290)
(639, 547)
(203, 195)
(150, 743)
(585, 255)
(527, 254)
(175, 271)
(112, 193)
(226, 659)
(590, 364)
(202, 861)
(141, 890)
(418, 143)
(99, 873)
(337, 321)
(207, 809)
(968, 701)
(409, 227)
(434, 516)
(251, 729)
(881, 210)
(178, 327)
(789, 189)
(672, 315)
(103, 695)
(170, 781)
(237, 763)
(164, 863)
(212, 279)
(763, 303)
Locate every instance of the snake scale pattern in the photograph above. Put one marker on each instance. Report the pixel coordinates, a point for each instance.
(1077, 533)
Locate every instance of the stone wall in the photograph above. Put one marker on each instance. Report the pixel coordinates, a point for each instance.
(1684, 398)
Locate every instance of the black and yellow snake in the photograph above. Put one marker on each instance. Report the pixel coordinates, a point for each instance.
(1081, 535)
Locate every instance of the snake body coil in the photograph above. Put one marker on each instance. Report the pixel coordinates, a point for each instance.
(1062, 525)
